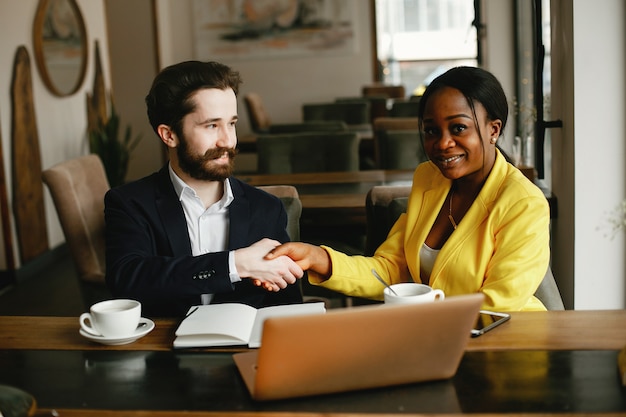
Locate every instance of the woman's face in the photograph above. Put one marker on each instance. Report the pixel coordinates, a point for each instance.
(451, 137)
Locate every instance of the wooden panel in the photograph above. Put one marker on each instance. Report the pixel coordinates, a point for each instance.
(28, 206)
(5, 218)
(96, 102)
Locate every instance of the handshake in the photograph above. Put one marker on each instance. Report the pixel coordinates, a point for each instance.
(273, 265)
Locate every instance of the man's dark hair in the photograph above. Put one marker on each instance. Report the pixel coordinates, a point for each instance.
(168, 101)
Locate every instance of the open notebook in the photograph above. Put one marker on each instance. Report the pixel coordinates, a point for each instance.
(358, 348)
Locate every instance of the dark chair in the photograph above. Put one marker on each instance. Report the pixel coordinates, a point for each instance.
(261, 122)
(400, 149)
(308, 152)
(548, 292)
(380, 216)
(404, 108)
(377, 104)
(383, 206)
(318, 126)
(353, 113)
(397, 143)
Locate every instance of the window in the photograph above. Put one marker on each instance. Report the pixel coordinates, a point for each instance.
(420, 39)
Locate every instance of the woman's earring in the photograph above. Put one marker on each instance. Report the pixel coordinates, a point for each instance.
(493, 140)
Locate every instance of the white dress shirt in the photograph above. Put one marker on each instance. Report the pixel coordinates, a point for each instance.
(208, 228)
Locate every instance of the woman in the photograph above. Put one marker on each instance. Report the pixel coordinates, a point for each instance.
(474, 222)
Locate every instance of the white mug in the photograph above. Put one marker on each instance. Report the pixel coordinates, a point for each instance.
(112, 318)
(412, 293)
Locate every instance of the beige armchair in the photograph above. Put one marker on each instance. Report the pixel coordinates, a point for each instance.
(77, 187)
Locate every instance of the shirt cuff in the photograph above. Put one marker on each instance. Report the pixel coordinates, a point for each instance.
(232, 268)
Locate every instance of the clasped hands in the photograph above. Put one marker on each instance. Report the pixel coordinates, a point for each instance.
(273, 265)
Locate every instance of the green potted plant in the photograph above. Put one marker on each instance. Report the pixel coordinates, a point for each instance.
(114, 150)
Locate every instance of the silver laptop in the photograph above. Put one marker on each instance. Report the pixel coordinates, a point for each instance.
(359, 348)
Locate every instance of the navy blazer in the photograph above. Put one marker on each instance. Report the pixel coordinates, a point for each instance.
(148, 251)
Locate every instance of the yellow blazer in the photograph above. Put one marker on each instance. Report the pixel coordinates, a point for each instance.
(501, 247)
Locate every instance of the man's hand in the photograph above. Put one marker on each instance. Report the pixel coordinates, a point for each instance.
(273, 273)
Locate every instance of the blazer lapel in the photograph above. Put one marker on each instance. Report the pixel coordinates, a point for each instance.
(239, 214)
(172, 216)
(474, 217)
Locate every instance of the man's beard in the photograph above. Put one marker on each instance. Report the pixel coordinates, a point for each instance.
(201, 167)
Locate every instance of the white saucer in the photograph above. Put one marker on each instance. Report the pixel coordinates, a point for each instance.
(145, 326)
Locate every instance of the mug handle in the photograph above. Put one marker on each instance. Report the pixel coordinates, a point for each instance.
(439, 294)
(87, 327)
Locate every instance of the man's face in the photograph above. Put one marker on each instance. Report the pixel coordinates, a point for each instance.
(206, 148)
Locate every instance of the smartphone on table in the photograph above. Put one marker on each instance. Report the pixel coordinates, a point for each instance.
(488, 320)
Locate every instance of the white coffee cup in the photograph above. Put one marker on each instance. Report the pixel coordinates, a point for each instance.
(412, 293)
(112, 318)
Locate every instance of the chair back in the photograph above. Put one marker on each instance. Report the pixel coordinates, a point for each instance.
(350, 112)
(397, 143)
(399, 149)
(316, 126)
(404, 108)
(259, 118)
(308, 152)
(396, 123)
(288, 194)
(77, 187)
(385, 203)
(379, 217)
(377, 104)
(548, 292)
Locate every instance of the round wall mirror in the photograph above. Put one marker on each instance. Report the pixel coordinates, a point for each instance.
(60, 43)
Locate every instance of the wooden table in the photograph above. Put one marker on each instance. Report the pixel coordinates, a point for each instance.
(539, 362)
(560, 362)
(544, 330)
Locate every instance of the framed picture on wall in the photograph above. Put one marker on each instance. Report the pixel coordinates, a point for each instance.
(60, 44)
(248, 29)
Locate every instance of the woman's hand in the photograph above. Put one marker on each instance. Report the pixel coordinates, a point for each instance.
(307, 256)
(273, 273)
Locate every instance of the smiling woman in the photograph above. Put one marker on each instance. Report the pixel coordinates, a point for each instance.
(60, 45)
(473, 222)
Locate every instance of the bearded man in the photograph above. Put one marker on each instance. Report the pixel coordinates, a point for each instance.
(191, 233)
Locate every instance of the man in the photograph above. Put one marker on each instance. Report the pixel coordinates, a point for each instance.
(191, 233)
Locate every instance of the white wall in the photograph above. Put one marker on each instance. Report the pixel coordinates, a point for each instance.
(61, 122)
(589, 55)
(283, 83)
(133, 56)
(600, 147)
